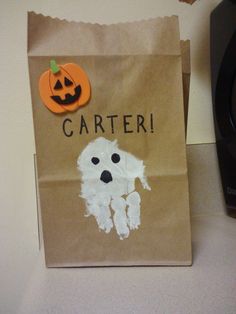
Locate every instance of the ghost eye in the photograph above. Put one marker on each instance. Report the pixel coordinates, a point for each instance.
(68, 82)
(58, 85)
(115, 158)
(95, 160)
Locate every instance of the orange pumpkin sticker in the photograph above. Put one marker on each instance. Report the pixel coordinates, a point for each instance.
(64, 87)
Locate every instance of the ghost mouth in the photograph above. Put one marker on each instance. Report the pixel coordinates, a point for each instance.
(69, 99)
(106, 176)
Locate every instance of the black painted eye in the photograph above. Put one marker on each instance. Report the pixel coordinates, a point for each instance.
(95, 160)
(68, 82)
(58, 85)
(115, 158)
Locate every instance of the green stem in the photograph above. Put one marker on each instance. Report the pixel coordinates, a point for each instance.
(54, 67)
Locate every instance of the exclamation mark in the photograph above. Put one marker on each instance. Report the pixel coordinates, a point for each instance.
(151, 123)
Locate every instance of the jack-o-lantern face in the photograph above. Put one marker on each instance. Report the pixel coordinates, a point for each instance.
(64, 87)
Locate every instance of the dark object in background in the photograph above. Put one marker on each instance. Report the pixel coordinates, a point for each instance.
(223, 72)
(188, 1)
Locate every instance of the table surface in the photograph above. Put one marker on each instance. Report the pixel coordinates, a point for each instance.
(209, 286)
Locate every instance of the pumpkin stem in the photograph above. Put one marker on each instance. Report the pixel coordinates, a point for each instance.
(54, 67)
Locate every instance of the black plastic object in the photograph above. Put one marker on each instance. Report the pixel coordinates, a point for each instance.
(223, 74)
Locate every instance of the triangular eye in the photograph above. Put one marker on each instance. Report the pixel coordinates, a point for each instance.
(58, 85)
(68, 82)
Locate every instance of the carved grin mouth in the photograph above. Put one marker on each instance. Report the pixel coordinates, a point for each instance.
(69, 99)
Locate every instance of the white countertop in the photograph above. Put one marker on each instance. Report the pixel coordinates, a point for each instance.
(209, 286)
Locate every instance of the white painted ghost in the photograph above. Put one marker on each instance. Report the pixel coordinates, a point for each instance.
(108, 183)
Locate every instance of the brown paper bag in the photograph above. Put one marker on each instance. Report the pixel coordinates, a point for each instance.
(112, 174)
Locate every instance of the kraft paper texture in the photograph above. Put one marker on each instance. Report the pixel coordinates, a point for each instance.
(134, 69)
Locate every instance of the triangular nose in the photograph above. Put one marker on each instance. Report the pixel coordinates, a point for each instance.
(106, 176)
